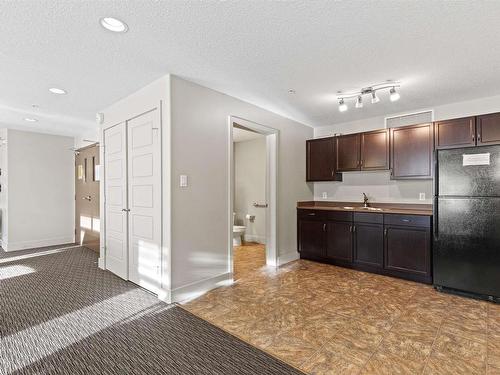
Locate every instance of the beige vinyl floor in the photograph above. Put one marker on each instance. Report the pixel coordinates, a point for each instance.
(324, 319)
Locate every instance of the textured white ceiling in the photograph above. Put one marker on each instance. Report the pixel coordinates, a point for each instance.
(255, 50)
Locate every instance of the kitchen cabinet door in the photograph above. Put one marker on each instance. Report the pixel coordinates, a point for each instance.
(411, 152)
(456, 133)
(407, 250)
(369, 244)
(311, 235)
(488, 129)
(339, 241)
(348, 152)
(375, 150)
(320, 158)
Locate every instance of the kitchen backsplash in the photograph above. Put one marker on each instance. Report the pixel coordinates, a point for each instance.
(378, 187)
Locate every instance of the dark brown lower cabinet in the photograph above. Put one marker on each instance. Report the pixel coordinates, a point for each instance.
(311, 235)
(407, 250)
(369, 244)
(339, 241)
(389, 244)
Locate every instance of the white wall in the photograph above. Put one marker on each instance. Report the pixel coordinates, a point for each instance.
(4, 184)
(41, 190)
(199, 138)
(250, 186)
(377, 185)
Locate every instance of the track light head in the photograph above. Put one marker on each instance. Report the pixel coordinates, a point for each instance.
(359, 102)
(375, 98)
(394, 94)
(342, 105)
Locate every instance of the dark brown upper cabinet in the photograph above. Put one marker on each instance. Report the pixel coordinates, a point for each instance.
(488, 129)
(456, 133)
(375, 150)
(320, 158)
(348, 152)
(411, 152)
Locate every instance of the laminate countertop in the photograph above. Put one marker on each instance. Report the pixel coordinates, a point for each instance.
(381, 208)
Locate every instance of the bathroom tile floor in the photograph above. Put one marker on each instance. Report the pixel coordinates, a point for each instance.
(324, 319)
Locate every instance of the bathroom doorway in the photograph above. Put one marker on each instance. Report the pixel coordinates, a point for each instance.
(252, 197)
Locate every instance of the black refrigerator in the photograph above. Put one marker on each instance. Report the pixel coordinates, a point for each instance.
(466, 249)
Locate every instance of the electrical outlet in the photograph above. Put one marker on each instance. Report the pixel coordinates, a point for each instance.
(421, 196)
(324, 195)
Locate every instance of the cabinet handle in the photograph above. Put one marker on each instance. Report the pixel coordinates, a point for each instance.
(354, 228)
(350, 228)
(473, 138)
(361, 162)
(312, 214)
(405, 220)
(479, 137)
(333, 172)
(324, 227)
(385, 232)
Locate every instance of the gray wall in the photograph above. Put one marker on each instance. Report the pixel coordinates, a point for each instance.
(200, 149)
(250, 186)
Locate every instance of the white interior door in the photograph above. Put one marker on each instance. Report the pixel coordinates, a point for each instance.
(115, 171)
(144, 199)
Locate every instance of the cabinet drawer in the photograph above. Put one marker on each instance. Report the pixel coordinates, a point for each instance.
(312, 214)
(339, 215)
(368, 217)
(407, 220)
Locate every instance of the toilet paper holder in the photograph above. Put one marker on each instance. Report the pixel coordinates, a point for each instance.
(257, 205)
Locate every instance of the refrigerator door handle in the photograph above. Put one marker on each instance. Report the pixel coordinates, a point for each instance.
(435, 231)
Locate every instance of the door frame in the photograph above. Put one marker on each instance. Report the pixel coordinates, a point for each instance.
(271, 135)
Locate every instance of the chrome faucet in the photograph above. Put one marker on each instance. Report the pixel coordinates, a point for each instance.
(365, 200)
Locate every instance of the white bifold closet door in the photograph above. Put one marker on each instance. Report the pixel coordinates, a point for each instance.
(115, 192)
(144, 200)
(141, 204)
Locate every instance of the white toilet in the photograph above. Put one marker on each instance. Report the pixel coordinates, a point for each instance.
(238, 232)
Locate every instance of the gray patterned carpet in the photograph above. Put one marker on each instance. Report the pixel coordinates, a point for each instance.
(60, 314)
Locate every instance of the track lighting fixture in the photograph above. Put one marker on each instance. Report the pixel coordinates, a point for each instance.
(359, 102)
(372, 91)
(342, 105)
(394, 94)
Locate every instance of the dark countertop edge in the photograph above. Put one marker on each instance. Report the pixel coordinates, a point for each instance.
(387, 208)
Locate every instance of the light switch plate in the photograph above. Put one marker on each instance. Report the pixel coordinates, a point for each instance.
(183, 180)
(421, 196)
(324, 195)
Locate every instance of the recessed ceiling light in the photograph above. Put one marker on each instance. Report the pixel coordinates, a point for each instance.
(55, 90)
(113, 24)
(30, 119)
(291, 91)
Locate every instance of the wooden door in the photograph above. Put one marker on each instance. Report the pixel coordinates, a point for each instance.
(456, 133)
(369, 244)
(87, 218)
(320, 158)
(407, 249)
(144, 199)
(488, 129)
(312, 237)
(411, 152)
(375, 150)
(348, 152)
(339, 241)
(115, 190)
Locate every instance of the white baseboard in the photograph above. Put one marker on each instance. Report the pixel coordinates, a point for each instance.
(100, 263)
(23, 245)
(196, 289)
(287, 258)
(255, 238)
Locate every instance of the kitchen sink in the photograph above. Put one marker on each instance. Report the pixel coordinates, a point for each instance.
(362, 208)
